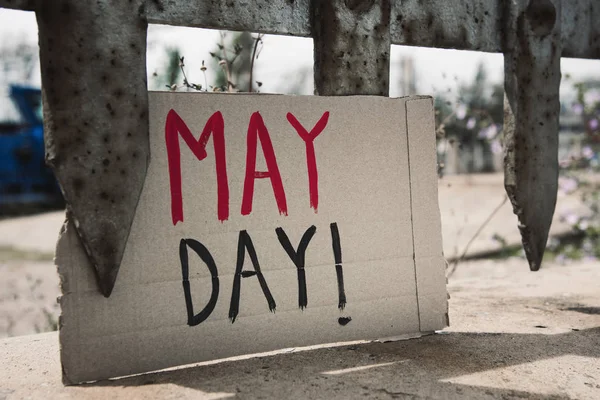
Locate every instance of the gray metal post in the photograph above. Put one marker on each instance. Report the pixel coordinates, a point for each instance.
(532, 51)
(352, 46)
(93, 56)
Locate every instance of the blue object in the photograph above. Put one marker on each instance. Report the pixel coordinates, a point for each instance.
(24, 177)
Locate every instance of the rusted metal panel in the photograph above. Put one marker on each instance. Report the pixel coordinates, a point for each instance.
(352, 47)
(532, 107)
(93, 57)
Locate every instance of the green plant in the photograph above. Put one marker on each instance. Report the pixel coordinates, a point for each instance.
(475, 119)
(579, 175)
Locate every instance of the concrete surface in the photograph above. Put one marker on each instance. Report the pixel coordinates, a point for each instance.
(28, 292)
(514, 334)
(37, 233)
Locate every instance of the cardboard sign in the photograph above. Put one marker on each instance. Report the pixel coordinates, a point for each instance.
(266, 222)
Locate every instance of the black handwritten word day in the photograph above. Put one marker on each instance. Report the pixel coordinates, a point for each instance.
(175, 127)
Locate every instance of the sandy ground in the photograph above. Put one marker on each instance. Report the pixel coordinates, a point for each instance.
(29, 285)
(36, 233)
(466, 201)
(28, 293)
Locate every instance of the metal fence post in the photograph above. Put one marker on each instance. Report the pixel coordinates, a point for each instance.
(93, 73)
(532, 51)
(93, 56)
(352, 46)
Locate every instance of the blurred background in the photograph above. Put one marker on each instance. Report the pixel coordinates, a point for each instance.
(478, 223)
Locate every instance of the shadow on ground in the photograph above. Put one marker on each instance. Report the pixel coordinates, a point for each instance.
(453, 365)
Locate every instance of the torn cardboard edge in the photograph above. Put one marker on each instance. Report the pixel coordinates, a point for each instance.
(423, 160)
(69, 249)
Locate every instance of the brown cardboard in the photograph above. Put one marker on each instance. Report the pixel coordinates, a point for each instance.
(376, 181)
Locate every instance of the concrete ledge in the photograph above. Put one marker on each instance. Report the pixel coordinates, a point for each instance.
(515, 334)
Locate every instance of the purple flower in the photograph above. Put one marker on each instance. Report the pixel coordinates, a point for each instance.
(496, 147)
(488, 132)
(587, 152)
(461, 111)
(578, 108)
(570, 218)
(593, 124)
(591, 97)
(567, 185)
(564, 163)
(471, 123)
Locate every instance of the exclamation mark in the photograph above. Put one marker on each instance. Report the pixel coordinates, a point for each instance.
(337, 254)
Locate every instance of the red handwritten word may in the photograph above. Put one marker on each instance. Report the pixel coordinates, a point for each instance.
(257, 132)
